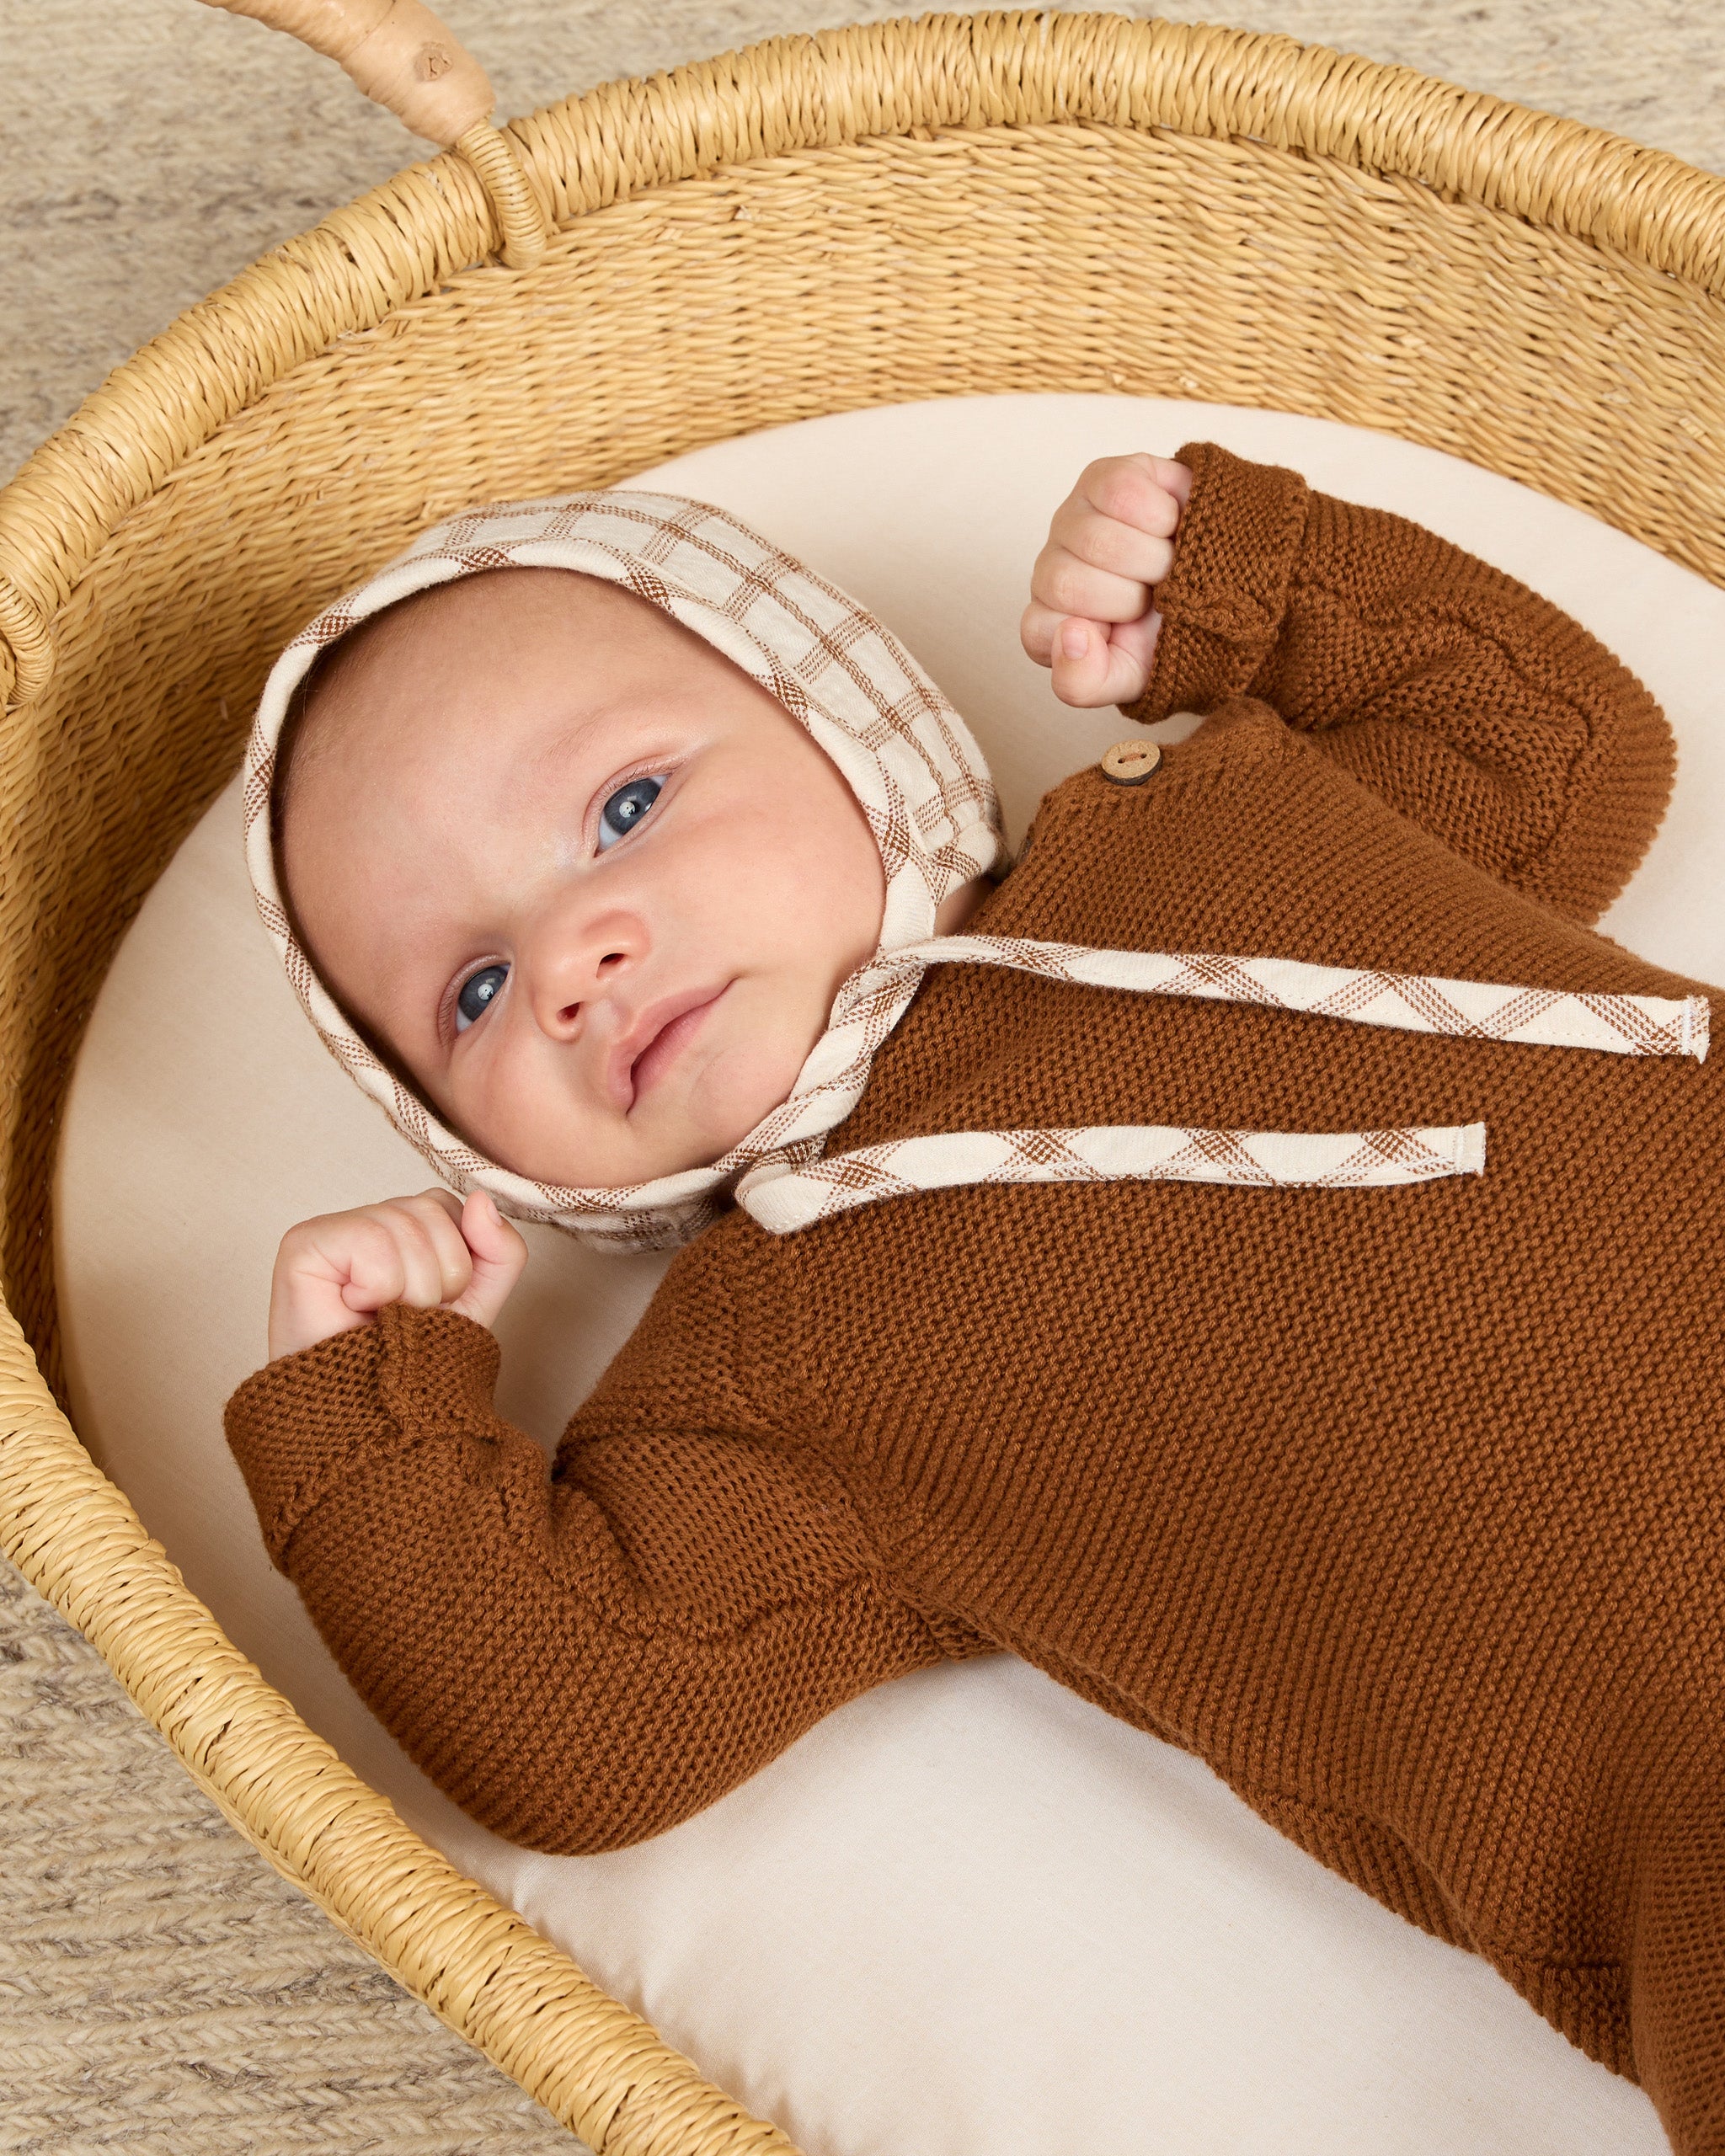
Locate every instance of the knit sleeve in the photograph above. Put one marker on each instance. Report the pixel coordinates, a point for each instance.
(580, 1656)
(1469, 703)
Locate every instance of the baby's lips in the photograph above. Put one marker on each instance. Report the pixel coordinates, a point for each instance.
(641, 1034)
(618, 1074)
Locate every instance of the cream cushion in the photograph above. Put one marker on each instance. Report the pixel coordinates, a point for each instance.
(969, 1915)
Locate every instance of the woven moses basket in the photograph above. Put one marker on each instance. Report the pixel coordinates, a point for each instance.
(961, 205)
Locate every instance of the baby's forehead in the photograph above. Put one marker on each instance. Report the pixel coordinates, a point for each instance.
(499, 669)
(528, 597)
(490, 623)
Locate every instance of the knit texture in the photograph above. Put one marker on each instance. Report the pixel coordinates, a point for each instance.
(1402, 1506)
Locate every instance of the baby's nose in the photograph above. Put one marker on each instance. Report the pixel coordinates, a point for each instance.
(567, 1015)
(573, 971)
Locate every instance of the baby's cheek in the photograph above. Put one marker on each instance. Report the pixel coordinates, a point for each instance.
(754, 1064)
(835, 890)
(736, 1076)
(504, 1106)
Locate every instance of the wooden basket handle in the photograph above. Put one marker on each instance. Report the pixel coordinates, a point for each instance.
(399, 54)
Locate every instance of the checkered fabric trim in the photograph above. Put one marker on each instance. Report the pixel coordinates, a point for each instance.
(1413, 1003)
(1259, 1159)
(783, 1195)
(906, 754)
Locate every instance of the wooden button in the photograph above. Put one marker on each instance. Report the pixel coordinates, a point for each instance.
(1129, 763)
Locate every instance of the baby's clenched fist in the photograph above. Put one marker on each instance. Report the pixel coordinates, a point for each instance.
(432, 1252)
(1090, 617)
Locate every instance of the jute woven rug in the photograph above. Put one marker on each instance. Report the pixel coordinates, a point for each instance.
(161, 1989)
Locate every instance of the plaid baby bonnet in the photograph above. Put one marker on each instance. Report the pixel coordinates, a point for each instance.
(927, 793)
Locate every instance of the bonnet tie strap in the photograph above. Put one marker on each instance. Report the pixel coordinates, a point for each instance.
(1414, 1003)
(785, 1194)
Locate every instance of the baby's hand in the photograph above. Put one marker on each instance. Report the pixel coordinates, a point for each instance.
(337, 1272)
(1090, 616)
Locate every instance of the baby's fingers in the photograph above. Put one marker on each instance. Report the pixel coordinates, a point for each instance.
(1094, 665)
(377, 1270)
(498, 1253)
(1086, 543)
(336, 1273)
(1062, 583)
(1147, 492)
(408, 1250)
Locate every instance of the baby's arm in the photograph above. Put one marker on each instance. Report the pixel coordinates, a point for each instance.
(1476, 708)
(580, 1657)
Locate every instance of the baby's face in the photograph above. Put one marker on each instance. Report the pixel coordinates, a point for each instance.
(593, 887)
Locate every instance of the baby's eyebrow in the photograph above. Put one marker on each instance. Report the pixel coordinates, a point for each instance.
(584, 730)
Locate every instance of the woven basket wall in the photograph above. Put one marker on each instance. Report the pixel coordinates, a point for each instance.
(956, 206)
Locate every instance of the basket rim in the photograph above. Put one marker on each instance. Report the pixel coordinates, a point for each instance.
(434, 221)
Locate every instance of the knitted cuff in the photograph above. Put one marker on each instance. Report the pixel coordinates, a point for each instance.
(1223, 602)
(303, 1424)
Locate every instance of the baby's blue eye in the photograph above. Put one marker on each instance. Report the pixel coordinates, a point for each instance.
(477, 994)
(625, 810)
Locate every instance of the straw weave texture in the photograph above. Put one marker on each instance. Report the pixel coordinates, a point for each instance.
(156, 1976)
(178, 147)
(972, 204)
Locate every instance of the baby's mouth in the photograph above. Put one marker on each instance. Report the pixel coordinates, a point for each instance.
(656, 1041)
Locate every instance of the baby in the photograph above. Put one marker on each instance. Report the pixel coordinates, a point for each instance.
(1258, 1258)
